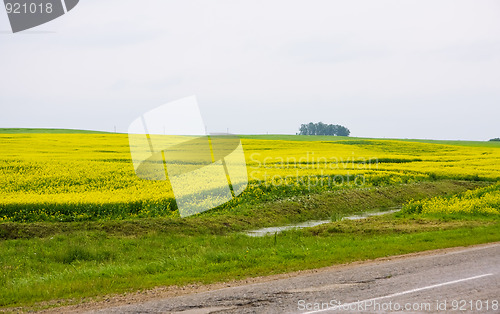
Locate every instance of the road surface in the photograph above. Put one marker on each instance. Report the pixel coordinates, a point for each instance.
(454, 280)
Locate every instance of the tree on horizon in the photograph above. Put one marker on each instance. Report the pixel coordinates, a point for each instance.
(321, 128)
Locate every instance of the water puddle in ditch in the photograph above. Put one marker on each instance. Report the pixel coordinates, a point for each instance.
(313, 223)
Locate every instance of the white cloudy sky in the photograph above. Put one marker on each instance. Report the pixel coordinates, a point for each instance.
(406, 69)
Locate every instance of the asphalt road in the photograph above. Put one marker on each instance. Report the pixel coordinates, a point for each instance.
(465, 280)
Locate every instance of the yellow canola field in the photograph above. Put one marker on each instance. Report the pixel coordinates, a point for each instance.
(480, 201)
(39, 171)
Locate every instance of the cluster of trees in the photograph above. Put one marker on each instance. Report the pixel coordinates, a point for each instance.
(495, 139)
(321, 128)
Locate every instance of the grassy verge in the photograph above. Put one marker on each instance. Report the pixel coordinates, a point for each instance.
(70, 261)
(89, 264)
(252, 215)
(51, 131)
(308, 138)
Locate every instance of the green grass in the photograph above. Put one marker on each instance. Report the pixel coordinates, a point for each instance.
(307, 138)
(457, 143)
(69, 261)
(52, 131)
(320, 138)
(88, 264)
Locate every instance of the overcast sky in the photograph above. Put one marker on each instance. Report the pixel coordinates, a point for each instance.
(400, 69)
